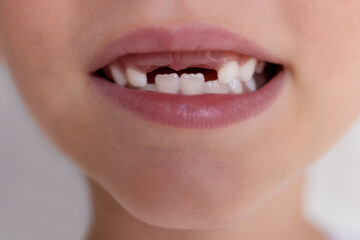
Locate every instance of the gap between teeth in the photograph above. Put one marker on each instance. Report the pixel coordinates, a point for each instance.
(232, 78)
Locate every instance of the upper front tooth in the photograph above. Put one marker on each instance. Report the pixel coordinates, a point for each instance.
(192, 84)
(136, 77)
(228, 72)
(247, 70)
(167, 83)
(118, 75)
(216, 87)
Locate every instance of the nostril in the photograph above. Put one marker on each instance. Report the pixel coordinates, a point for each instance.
(209, 74)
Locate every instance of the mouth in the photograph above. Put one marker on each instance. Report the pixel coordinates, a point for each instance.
(190, 73)
(190, 77)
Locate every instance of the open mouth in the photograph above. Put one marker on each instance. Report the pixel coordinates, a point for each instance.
(190, 73)
(190, 76)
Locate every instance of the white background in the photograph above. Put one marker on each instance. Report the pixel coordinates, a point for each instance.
(44, 197)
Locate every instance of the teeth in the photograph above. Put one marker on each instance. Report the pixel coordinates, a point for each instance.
(260, 67)
(136, 78)
(232, 78)
(231, 70)
(236, 86)
(118, 75)
(215, 87)
(228, 72)
(247, 70)
(251, 85)
(149, 88)
(167, 83)
(192, 84)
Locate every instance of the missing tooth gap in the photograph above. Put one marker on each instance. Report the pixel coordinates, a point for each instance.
(209, 74)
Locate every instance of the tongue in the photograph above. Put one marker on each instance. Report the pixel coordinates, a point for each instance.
(178, 61)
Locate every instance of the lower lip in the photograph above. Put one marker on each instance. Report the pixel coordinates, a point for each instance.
(198, 112)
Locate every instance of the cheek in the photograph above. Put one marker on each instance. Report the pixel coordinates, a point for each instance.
(327, 37)
(36, 37)
(34, 25)
(325, 34)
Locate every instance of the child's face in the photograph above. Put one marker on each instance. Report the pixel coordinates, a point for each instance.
(194, 176)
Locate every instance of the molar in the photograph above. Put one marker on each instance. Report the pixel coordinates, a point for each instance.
(260, 67)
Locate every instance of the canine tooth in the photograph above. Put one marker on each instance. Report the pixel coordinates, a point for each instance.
(192, 84)
(136, 78)
(247, 70)
(149, 88)
(251, 85)
(260, 67)
(228, 72)
(236, 86)
(118, 75)
(167, 83)
(215, 87)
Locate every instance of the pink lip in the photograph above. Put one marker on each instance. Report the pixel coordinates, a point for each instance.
(192, 37)
(201, 111)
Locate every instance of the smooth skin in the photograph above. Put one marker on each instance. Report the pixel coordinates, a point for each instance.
(154, 182)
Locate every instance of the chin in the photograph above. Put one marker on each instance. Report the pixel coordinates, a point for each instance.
(189, 191)
(177, 212)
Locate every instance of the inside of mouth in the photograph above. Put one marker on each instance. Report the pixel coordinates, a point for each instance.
(209, 74)
(260, 79)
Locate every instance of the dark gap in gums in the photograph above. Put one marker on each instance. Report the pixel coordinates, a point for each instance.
(209, 74)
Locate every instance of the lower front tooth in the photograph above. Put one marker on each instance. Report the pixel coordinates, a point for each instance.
(215, 87)
(236, 86)
(167, 83)
(251, 85)
(149, 88)
(192, 84)
(136, 78)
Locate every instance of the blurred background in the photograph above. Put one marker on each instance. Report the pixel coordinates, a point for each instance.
(43, 196)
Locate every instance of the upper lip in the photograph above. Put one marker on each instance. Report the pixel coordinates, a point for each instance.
(194, 37)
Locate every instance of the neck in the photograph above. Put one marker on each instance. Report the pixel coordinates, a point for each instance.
(280, 218)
